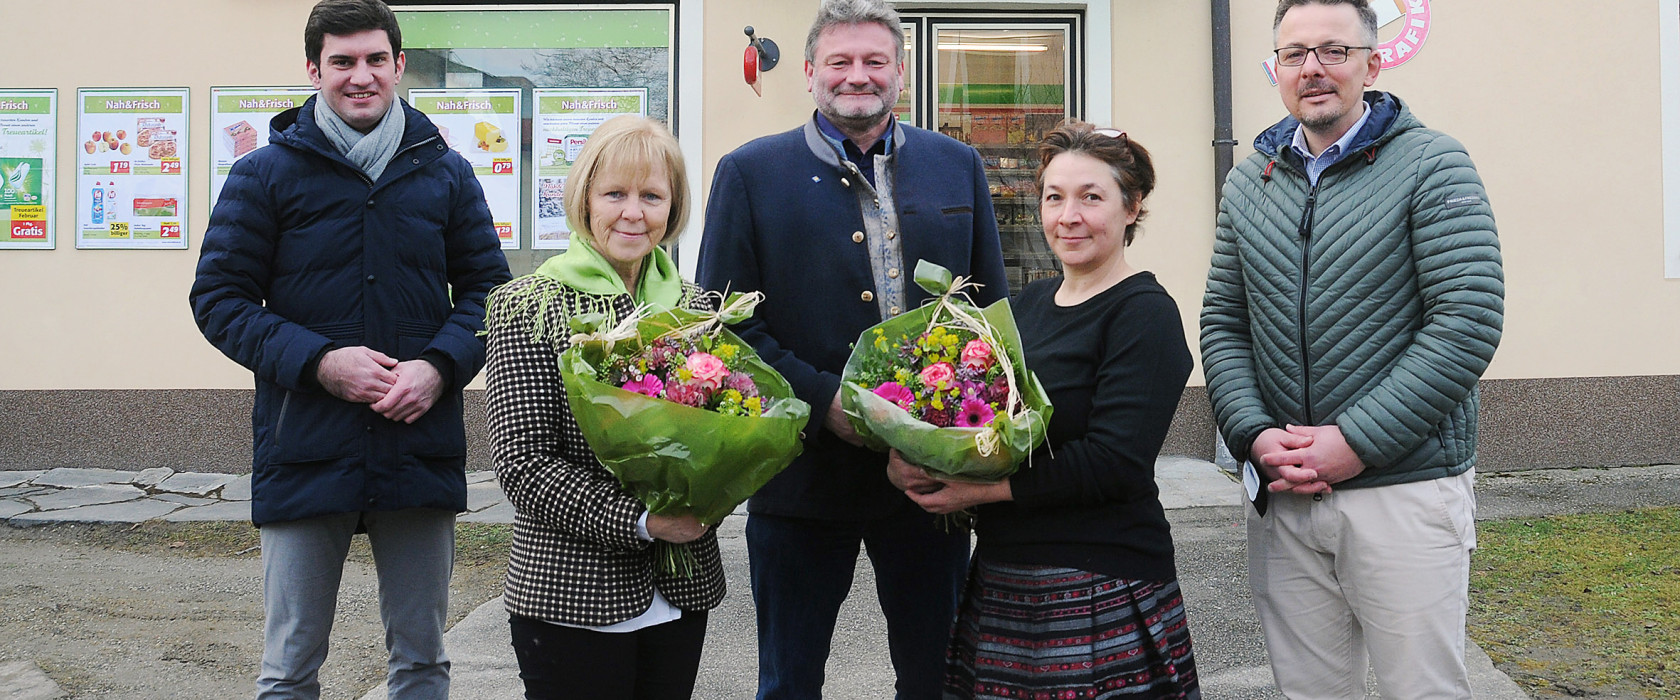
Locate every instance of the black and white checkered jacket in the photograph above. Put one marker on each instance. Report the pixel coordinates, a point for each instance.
(576, 558)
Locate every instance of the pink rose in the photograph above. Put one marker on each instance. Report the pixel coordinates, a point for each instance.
(650, 384)
(936, 374)
(977, 354)
(707, 369)
(897, 393)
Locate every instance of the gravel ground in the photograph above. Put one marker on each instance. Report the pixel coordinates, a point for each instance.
(114, 614)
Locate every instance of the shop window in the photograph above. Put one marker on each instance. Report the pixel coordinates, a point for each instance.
(999, 82)
(621, 49)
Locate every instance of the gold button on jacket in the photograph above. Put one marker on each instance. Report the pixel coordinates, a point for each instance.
(867, 295)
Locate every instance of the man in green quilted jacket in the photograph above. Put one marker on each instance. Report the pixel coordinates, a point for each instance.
(1355, 298)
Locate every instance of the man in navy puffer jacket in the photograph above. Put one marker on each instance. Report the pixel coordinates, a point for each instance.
(346, 265)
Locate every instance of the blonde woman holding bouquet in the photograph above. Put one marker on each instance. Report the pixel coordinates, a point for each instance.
(1073, 588)
(591, 614)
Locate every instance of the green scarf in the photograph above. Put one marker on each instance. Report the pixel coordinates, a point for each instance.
(585, 269)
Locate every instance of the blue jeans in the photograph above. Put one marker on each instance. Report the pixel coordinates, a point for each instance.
(802, 571)
(303, 561)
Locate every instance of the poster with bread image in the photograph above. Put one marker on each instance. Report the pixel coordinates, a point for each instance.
(239, 125)
(132, 168)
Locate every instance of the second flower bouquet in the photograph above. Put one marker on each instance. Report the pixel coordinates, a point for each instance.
(681, 410)
(946, 385)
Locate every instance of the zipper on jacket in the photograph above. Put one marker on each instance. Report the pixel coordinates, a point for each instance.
(1305, 230)
(280, 423)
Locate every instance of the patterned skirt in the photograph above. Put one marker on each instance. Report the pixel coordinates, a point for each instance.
(1044, 633)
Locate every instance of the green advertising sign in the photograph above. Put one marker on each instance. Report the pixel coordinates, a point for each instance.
(594, 104)
(110, 103)
(18, 104)
(20, 181)
(465, 104)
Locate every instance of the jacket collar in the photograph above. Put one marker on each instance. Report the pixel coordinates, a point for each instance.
(296, 128)
(1389, 118)
(825, 152)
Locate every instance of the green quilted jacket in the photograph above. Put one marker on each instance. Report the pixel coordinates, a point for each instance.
(1373, 301)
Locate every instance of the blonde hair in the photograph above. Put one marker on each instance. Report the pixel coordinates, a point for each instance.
(633, 146)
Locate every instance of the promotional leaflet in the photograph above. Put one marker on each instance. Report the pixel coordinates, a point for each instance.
(131, 175)
(483, 125)
(28, 168)
(239, 125)
(560, 126)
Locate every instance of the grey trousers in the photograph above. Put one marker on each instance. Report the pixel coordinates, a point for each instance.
(303, 560)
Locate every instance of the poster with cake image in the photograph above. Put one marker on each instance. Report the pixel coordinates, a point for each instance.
(483, 125)
(28, 168)
(131, 174)
(239, 120)
(560, 125)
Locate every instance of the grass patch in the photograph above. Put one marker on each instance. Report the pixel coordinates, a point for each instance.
(1582, 604)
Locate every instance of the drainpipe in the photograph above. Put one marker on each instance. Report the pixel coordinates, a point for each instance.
(1223, 143)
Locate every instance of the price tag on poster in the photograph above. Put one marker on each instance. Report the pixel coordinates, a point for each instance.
(560, 126)
(239, 120)
(483, 125)
(28, 168)
(131, 174)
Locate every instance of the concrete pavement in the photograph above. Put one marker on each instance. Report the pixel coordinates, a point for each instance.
(1203, 502)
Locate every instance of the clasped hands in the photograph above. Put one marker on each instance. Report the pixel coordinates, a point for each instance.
(941, 497)
(1304, 459)
(400, 391)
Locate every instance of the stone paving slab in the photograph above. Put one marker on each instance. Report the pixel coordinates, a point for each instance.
(9, 479)
(130, 512)
(18, 491)
(85, 496)
(225, 510)
(194, 484)
(479, 477)
(70, 477)
(499, 513)
(11, 506)
(483, 495)
(1193, 483)
(238, 490)
(23, 680)
(183, 499)
(148, 478)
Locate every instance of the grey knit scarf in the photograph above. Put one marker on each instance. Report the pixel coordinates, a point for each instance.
(371, 151)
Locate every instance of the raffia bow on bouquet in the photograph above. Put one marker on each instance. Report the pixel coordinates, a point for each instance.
(681, 410)
(947, 385)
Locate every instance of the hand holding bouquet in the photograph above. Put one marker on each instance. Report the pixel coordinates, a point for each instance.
(946, 385)
(681, 410)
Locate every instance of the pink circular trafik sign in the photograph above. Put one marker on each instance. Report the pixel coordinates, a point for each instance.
(1414, 30)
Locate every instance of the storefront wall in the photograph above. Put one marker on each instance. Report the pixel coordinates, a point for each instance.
(107, 369)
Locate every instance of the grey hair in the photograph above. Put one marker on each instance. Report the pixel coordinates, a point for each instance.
(1367, 16)
(837, 12)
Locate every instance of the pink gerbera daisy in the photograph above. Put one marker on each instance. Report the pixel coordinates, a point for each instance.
(974, 414)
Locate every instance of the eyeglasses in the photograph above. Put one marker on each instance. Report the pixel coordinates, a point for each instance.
(1328, 54)
(1111, 133)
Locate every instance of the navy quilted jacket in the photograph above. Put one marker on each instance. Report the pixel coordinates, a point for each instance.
(303, 254)
(1373, 301)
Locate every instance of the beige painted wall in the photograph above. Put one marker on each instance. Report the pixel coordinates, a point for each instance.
(1567, 143)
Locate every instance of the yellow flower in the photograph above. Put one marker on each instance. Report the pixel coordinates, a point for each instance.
(731, 395)
(725, 352)
(754, 405)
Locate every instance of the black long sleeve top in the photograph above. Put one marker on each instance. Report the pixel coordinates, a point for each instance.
(1114, 367)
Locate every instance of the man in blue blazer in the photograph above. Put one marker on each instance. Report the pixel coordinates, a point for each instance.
(828, 221)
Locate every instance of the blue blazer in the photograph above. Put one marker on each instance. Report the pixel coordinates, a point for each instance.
(780, 221)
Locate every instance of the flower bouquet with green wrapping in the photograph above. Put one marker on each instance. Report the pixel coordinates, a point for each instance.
(946, 385)
(682, 411)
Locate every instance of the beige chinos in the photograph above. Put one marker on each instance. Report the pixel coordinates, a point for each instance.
(1370, 574)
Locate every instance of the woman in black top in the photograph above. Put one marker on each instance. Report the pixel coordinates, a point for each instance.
(1072, 587)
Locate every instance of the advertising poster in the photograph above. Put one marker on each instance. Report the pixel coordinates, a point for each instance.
(131, 176)
(483, 125)
(562, 122)
(28, 168)
(239, 124)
